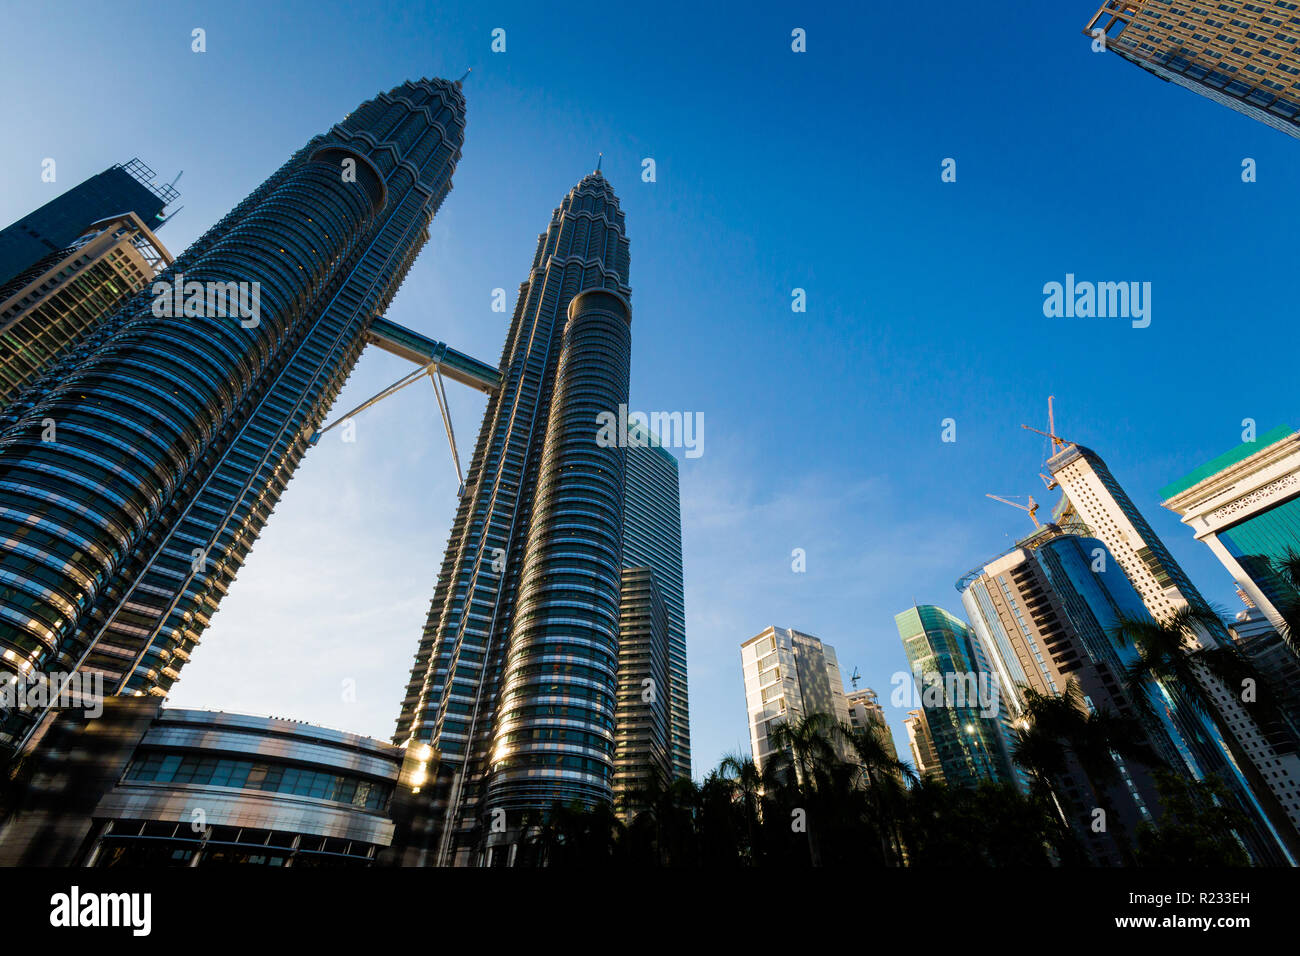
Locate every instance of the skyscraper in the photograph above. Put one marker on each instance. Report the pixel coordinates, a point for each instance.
(641, 747)
(48, 307)
(178, 428)
(652, 538)
(1047, 611)
(514, 682)
(1242, 55)
(1245, 505)
(118, 190)
(1270, 763)
(959, 695)
(789, 676)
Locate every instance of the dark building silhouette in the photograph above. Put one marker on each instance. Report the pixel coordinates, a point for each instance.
(124, 188)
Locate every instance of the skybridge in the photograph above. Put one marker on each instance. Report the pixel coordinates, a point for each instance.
(438, 361)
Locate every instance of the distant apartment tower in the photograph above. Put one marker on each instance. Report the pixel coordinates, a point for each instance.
(865, 713)
(1271, 763)
(47, 308)
(641, 751)
(1242, 55)
(951, 674)
(789, 676)
(652, 538)
(124, 188)
(921, 745)
(1245, 505)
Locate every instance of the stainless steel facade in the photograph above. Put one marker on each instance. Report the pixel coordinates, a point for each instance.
(555, 722)
(508, 658)
(177, 435)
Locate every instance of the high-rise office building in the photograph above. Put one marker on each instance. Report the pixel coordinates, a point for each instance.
(1267, 758)
(1259, 642)
(121, 189)
(1047, 611)
(1245, 56)
(181, 418)
(1245, 505)
(789, 676)
(959, 694)
(652, 538)
(514, 682)
(641, 747)
(921, 745)
(47, 308)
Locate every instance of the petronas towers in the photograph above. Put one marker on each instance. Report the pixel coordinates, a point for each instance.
(516, 681)
(137, 471)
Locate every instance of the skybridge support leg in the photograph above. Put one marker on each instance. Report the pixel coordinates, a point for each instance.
(440, 391)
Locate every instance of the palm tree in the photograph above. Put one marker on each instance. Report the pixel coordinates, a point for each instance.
(1288, 569)
(1062, 724)
(882, 776)
(748, 785)
(667, 810)
(802, 763)
(806, 746)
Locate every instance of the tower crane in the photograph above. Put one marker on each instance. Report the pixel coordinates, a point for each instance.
(1058, 443)
(1031, 509)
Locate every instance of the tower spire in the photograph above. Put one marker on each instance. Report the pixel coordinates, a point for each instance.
(599, 158)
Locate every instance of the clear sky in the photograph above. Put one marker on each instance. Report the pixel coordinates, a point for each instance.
(775, 170)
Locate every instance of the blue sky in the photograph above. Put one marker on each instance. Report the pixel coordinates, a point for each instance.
(775, 170)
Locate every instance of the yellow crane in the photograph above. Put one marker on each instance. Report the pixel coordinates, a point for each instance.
(1058, 443)
(1031, 509)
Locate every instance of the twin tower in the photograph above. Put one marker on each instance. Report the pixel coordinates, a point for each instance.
(174, 435)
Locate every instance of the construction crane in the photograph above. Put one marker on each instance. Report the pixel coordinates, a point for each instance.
(1058, 443)
(855, 678)
(1031, 509)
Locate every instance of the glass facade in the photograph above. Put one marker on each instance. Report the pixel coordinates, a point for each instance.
(1095, 594)
(258, 775)
(1257, 764)
(969, 745)
(47, 309)
(177, 433)
(1261, 542)
(457, 695)
(641, 739)
(652, 537)
(564, 639)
